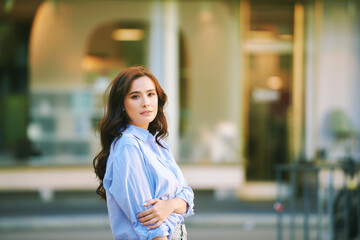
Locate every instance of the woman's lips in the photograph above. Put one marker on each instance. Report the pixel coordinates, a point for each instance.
(146, 113)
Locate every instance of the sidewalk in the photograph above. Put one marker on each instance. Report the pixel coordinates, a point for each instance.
(82, 216)
(101, 221)
(69, 209)
(84, 210)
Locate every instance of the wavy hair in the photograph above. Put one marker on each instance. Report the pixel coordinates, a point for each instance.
(115, 118)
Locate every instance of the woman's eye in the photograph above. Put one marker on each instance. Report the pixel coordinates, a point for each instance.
(135, 97)
(151, 94)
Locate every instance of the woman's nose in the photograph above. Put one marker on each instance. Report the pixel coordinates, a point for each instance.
(146, 102)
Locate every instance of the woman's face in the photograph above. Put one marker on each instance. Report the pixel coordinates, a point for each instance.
(141, 103)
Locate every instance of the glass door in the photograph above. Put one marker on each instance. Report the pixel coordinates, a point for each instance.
(269, 80)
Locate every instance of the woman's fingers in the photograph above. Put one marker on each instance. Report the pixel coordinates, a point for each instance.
(148, 211)
(148, 218)
(150, 222)
(151, 202)
(155, 215)
(148, 215)
(145, 213)
(156, 225)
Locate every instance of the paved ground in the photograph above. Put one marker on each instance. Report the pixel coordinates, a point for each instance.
(81, 215)
(103, 234)
(198, 233)
(249, 230)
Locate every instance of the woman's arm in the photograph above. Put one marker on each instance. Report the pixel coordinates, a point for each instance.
(180, 206)
(130, 189)
(161, 210)
(187, 195)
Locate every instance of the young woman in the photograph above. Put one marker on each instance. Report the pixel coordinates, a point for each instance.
(147, 195)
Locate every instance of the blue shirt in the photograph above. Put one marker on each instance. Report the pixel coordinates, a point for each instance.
(137, 170)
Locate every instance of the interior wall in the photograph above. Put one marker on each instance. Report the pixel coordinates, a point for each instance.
(60, 33)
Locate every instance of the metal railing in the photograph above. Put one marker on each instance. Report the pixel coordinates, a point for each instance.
(326, 197)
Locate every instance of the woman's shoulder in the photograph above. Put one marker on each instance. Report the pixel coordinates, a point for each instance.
(125, 140)
(165, 144)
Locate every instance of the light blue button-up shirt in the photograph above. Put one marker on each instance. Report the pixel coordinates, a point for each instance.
(137, 170)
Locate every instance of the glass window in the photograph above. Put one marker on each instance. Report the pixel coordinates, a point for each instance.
(75, 53)
(85, 48)
(269, 56)
(15, 25)
(209, 85)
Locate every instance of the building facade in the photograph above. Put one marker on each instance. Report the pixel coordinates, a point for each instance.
(251, 84)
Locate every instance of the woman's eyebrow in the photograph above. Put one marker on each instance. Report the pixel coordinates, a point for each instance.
(137, 92)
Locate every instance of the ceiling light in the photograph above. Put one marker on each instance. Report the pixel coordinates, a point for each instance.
(127, 34)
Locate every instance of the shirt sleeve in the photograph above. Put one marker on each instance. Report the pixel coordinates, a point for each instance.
(186, 192)
(187, 195)
(131, 189)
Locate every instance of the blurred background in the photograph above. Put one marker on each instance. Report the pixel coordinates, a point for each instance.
(252, 85)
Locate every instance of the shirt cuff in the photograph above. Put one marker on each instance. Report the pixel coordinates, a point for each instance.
(161, 231)
(190, 203)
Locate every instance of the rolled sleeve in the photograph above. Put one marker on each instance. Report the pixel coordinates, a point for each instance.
(131, 189)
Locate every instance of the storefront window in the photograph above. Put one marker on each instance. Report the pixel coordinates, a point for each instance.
(75, 52)
(250, 82)
(15, 26)
(85, 48)
(268, 59)
(209, 82)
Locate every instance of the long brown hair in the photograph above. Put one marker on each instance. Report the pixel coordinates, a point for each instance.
(115, 118)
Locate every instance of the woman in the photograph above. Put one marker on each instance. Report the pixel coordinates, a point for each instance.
(147, 195)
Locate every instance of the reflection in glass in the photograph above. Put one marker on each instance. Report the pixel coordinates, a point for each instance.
(269, 52)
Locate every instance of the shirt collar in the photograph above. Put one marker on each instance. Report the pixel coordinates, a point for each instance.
(138, 132)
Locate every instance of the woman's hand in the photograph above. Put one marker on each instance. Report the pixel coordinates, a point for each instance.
(157, 214)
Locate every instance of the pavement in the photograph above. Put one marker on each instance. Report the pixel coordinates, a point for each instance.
(81, 215)
(84, 208)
